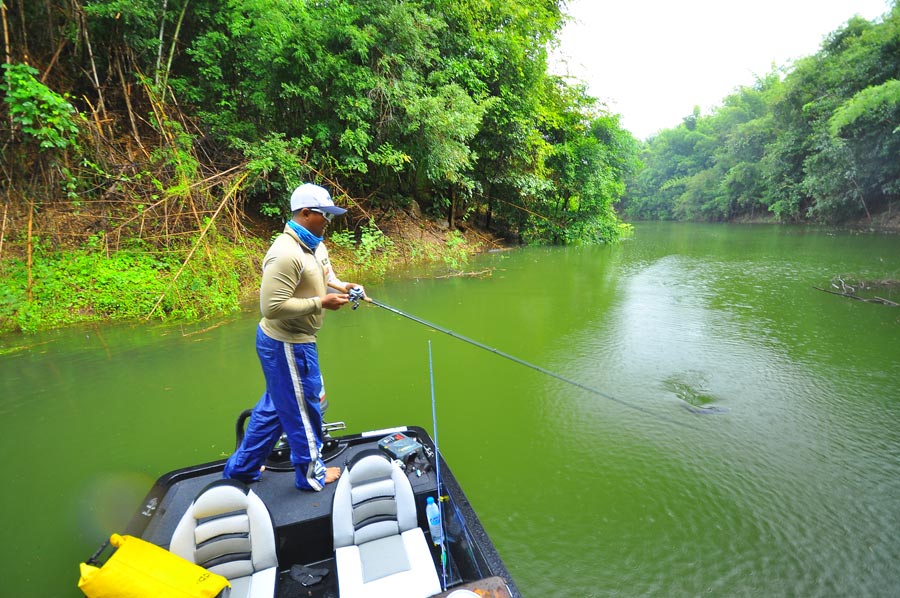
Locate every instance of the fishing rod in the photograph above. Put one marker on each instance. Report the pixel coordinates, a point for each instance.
(437, 467)
(356, 295)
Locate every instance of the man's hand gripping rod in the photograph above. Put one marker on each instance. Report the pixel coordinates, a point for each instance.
(356, 294)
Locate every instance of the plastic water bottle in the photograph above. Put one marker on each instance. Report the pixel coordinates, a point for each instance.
(433, 513)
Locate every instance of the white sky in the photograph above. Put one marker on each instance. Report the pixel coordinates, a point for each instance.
(652, 61)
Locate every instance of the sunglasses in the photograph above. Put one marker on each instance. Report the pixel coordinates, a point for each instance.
(328, 217)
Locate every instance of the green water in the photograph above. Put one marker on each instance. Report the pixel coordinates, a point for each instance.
(789, 489)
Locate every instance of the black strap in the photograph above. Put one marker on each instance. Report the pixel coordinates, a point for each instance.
(95, 558)
(308, 576)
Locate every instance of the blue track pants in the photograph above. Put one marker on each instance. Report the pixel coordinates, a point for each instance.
(290, 404)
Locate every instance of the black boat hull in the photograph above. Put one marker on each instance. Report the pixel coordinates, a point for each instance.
(303, 519)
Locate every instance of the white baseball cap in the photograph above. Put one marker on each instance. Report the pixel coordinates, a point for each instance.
(312, 196)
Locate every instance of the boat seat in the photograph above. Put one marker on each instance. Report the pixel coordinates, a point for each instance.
(229, 531)
(380, 550)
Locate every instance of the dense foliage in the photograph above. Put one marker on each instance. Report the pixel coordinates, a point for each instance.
(449, 104)
(161, 128)
(818, 143)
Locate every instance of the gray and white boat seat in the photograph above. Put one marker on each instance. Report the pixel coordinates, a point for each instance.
(228, 530)
(379, 548)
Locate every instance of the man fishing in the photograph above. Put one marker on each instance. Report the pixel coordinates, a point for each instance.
(292, 298)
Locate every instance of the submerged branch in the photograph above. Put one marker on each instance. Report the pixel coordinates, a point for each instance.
(852, 295)
(486, 272)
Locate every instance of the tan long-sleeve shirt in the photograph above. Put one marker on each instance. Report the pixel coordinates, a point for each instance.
(293, 282)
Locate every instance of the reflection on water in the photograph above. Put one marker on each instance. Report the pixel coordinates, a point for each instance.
(752, 446)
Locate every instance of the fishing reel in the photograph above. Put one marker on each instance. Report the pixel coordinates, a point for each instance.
(356, 294)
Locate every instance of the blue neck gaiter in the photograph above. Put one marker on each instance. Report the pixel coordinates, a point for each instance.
(309, 239)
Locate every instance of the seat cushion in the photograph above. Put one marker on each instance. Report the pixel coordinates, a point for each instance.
(228, 530)
(372, 500)
(382, 557)
(418, 581)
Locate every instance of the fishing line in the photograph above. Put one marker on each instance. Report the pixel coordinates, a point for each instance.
(357, 297)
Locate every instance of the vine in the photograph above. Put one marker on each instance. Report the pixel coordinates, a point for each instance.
(39, 111)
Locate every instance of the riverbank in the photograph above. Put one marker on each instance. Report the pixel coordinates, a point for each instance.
(215, 275)
(887, 221)
(205, 277)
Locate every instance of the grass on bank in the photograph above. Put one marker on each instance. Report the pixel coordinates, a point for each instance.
(89, 284)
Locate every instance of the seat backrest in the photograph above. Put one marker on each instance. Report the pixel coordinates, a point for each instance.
(373, 499)
(227, 530)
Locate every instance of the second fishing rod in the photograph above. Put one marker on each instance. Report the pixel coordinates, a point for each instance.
(356, 296)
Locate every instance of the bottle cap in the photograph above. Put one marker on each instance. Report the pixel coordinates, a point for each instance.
(429, 500)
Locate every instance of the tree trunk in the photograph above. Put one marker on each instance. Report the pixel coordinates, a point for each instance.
(488, 213)
(3, 226)
(451, 219)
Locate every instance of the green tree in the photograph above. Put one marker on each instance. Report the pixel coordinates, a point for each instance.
(818, 143)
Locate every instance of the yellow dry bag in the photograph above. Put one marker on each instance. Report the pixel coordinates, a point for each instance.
(139, 569)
